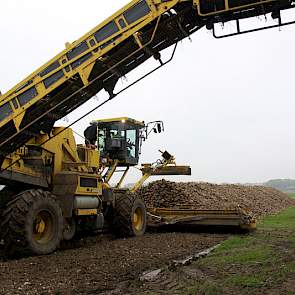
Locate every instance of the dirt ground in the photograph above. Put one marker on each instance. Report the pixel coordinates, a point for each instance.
(105, 266)
(102, 266)
(262, 262)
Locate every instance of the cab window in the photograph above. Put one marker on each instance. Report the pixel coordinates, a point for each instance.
(101, 140)
(117, 133)
(131, 143)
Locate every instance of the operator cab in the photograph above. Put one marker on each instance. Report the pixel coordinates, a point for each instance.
(117, 139)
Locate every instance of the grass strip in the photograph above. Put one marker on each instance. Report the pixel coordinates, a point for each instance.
(262, 262)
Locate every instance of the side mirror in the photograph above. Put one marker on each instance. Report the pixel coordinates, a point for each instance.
(159, 127)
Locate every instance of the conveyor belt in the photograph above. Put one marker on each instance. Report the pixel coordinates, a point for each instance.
(189, 216)
(140, 30)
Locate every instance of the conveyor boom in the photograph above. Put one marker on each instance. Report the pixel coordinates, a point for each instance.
(140, 30)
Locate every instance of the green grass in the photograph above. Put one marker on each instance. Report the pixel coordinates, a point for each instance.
(286, 220)
(205, 288)
(252, 280)
(291, 195)
(253, 263)
(242, 255)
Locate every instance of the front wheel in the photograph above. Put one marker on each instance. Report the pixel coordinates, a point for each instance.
(129, 216)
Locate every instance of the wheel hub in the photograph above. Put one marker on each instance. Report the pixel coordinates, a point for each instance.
(43, 227)
(138, 219)
(40, 225)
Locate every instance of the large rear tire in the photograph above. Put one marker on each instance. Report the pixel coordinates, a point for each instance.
(129, 215)
(32, 224)
(7, 194)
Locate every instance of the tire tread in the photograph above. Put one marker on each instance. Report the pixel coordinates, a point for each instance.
(13, 221)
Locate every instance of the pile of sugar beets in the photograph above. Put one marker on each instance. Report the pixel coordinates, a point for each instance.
(258, 200)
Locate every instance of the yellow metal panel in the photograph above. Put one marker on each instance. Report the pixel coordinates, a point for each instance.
(93, 157)
(18, 120)
(63, 146)
(85, 212)
(85, 73)
(90, 190)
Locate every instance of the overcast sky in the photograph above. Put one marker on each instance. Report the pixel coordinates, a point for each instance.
(228, 105)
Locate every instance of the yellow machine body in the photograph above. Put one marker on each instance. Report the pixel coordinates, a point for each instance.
(77, 170)
(58, 155)
(70, 170)
(40, 159)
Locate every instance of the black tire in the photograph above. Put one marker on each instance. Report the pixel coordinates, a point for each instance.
(7, 194)
(127, 206)
(32, 224)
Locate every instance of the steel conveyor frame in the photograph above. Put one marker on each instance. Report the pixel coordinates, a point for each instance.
(96, 61)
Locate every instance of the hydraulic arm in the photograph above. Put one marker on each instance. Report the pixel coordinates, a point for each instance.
(140, 30)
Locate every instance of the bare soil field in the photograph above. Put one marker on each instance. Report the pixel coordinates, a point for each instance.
(103, 265)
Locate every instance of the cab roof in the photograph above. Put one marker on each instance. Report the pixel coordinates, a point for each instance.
(120, 120)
